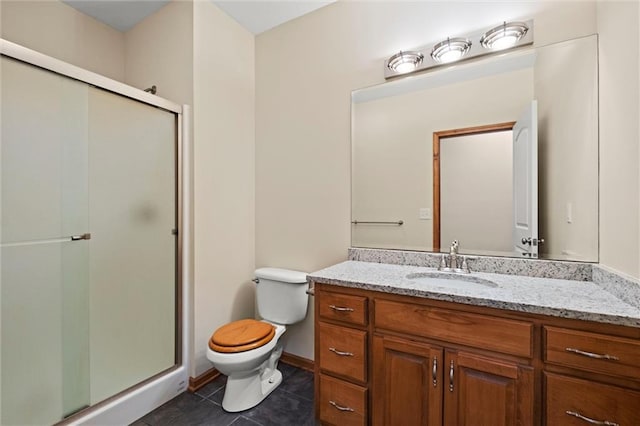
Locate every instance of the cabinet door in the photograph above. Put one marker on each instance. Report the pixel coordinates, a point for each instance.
(407, 382)
(486, 391)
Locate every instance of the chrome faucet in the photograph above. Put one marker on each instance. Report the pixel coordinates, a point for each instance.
(454, 262)
(453, 254)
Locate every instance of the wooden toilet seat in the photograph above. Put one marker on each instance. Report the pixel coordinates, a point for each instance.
(241, 336)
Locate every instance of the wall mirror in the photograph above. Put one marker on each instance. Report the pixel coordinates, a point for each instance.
(437, 157)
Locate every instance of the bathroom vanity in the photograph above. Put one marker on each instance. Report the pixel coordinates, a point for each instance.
(395, 347)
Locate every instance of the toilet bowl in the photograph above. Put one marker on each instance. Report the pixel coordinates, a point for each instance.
(247, 351)
(252, 374)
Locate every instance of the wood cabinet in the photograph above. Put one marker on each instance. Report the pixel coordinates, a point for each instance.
(343, 351)
(342, 359)
(418, 383)
(593, 352)
(574, 401)
(455, 326)
(407, 383)
(571, 401)
(386, 359)
(341, 403)
(487, 391)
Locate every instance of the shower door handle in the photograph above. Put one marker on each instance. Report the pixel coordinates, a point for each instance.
(86, 236)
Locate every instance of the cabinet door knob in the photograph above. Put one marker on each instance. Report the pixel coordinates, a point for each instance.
(590, 420)
(451, 377)
(434, 372)
(592, 355)
(337, 352)
(341, 408)
(340, 308)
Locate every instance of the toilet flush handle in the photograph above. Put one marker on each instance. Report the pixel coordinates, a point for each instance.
(256, 280)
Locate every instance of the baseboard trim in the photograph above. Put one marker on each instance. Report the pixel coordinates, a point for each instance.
(297, 361)
(196, 383)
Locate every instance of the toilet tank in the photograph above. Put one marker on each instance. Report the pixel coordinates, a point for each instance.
(281, 295)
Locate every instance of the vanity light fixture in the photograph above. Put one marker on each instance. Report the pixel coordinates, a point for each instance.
(507, 35)
(404, 62)
(450, 50)
(504, 36)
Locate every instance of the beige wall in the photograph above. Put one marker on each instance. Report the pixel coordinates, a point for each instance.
(159, 50)
(305, 72)
(392, 154)
(58, 30)
(619, 136)
(224, 108)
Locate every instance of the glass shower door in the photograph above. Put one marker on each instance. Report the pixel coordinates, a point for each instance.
(88, 251)
(44, 287)
(132, 215)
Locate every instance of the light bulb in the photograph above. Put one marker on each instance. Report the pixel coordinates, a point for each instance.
(504, 42)
(405, 67)
(450, 56)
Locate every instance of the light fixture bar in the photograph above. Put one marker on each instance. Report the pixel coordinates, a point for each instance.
(500, 38)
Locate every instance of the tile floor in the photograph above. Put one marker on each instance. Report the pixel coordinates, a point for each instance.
(290, 404)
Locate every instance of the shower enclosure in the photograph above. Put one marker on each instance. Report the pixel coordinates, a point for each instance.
(89, 243)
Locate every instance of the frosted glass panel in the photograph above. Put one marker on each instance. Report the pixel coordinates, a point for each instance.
(45, 299)
(35, 340)
(75, 326)
(132, 265)
(44, 154)
(31, 334)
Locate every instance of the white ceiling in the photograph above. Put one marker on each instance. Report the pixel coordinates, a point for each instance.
(119, 14)
(255, 16)
(260, 16)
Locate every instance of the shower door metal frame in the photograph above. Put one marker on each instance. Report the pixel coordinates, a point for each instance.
(134, 402)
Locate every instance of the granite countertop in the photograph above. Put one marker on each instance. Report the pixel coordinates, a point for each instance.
(582, 300)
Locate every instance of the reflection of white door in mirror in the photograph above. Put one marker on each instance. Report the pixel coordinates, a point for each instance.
(525, 182)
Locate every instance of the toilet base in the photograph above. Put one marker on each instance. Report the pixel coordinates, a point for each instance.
(243, 393)
(246, 391)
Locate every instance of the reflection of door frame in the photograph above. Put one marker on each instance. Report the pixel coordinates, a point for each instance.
(487, 128)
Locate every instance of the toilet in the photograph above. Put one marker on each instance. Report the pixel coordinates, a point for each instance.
(248, 350)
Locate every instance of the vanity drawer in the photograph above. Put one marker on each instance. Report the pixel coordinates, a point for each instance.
(342, 403)
(593, 352)
(482, 331)
(343, 307)
(343, 351)
(568, 398)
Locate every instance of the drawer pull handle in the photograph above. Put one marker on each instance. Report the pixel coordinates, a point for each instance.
(337, 352)
(451, 377)
(592, 421)
(341, 309)
(434, 372)
(341, 408)
(592, 355)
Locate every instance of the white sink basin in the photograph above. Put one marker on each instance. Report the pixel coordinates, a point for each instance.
(452, 281)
